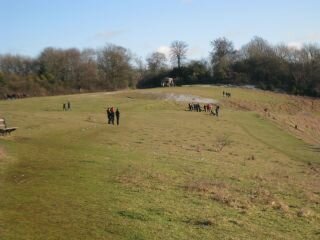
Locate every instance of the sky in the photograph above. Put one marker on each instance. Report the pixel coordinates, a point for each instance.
(145, 26)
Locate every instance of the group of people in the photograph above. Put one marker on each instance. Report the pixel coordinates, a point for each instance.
(206, 108)
(194, 107)
(66, 106)
(111, 113)
(226, 94)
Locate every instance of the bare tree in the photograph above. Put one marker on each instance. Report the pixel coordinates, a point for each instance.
(221, 142)
(114, 67)
(16, 64)
(282, 51)
(178, 52)
(88, 75)
(258, 48)
(222, 57)
(222, 47)
(156, 62)
(61, 66)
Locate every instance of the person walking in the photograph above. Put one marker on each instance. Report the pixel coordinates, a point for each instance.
(64, 107)
(118, 116)
(217, 110)
(69, 105)
(109, 115)
(112, 115)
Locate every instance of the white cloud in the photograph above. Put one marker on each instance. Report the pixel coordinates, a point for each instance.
(165, 50)
(196, 52)
(297, 45)
(298, 42)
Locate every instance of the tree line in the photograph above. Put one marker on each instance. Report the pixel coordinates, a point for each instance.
(59, 71)
(259, 63)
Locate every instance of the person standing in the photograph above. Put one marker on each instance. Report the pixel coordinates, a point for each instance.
(112, 115)
(64, 107)
(69, 105)
(118, 116)
(217, 110)
(109, 115)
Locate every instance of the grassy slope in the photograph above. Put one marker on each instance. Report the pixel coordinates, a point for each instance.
(68, 175)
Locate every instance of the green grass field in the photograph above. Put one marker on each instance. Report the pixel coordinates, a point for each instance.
(161, 173)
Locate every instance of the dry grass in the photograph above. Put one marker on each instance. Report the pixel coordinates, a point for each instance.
(219, 192)
(266, 198)
(304, 212)
(221, 142)
(298, 115)
(237, 198)
(146, 179)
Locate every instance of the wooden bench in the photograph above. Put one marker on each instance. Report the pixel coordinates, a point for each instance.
(3, 128)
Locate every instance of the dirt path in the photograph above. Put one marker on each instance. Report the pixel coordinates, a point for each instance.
(184, 98)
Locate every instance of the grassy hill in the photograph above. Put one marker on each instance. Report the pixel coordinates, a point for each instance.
(164, 173)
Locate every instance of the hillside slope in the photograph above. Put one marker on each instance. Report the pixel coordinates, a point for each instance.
(165, 172)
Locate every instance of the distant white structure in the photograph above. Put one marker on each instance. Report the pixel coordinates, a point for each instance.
(167, 82)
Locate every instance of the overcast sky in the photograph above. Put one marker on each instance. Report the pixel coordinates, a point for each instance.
(144, 26)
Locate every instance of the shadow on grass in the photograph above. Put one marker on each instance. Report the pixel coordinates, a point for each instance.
(133, 215)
